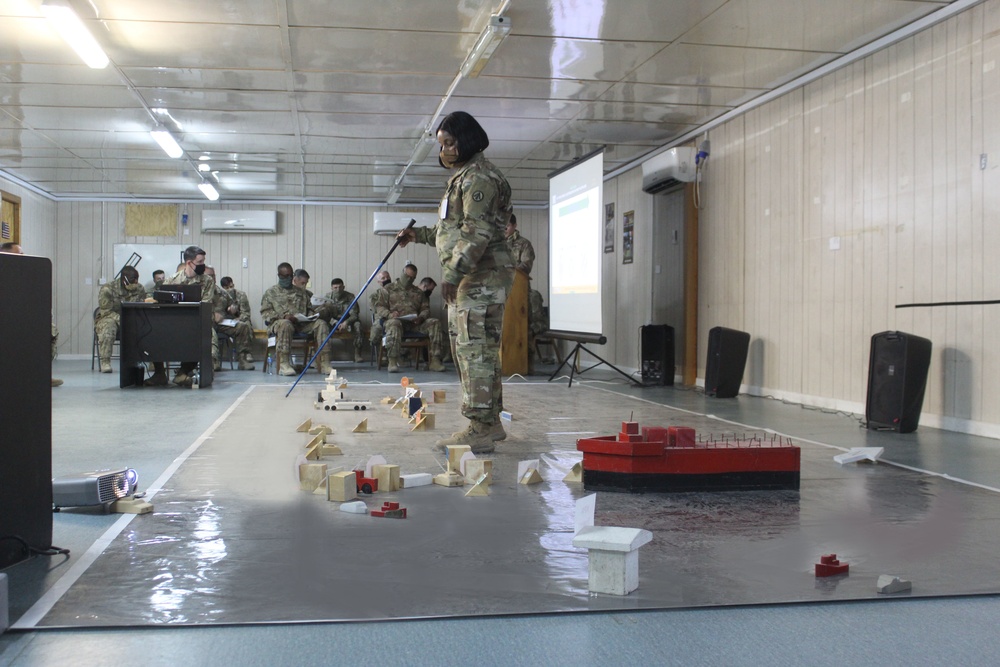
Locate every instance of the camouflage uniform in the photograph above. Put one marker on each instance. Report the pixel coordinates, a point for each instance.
(209, 294)
(474, 256)
(333, 310)
(538, 322)
(279, 302)
(378, 324)
(241, 333)
(521, 252)
(405, 298)
(109, 315)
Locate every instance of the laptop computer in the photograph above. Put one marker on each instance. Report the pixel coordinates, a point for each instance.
(190, 293)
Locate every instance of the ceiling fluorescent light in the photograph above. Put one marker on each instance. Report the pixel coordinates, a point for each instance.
(166, 141)
(208, 190)
(72, 30)
(422, 149)
(487, 43)
(395, 192)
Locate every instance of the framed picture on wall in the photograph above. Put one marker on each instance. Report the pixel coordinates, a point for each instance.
(609, 227)
(628, 221)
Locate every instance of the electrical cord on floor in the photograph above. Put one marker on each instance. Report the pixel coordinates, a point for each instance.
(30, 550)
(826, 411)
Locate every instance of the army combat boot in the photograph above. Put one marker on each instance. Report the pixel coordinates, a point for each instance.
(324, 364)
(246, 362)
(393, 364)
(497, 432)
(285, 368)
(105, 365)
(435, 364)
(478, 436)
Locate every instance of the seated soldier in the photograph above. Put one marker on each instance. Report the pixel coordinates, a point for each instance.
(281, 307)
(109, 312)
(192, 271)
(404, 307)
(335, 303)
(241, 332)
(538, 323)
(158, 277)
(378, 324)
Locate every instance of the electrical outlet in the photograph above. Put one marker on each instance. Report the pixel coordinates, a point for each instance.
(983, 160)
(245, 265)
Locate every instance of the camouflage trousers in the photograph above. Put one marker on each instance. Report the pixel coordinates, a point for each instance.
(241, 334)
(477, 322)
(107, 332)
(282, 330)
(394, 330)
(55, 340)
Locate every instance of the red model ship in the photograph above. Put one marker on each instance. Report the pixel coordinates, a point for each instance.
(669, 459)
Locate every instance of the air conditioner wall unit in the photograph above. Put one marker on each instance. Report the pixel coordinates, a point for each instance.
(668, 169)
(390, 223)
(242, 222)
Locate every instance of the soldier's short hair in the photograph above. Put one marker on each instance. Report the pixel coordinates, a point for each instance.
(284, 265)
(513, 220)
(8, 247)
(301, 273)
(131, 274)
(191, 253)
(468, 133)
(226, 281)
(411, 265)
(160, 272)
(427, 280)
(336, 281)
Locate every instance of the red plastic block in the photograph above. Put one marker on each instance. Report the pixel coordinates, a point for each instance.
(390, 511)
(629, 437)
(630, 427)
(680, 436)
(829, 566)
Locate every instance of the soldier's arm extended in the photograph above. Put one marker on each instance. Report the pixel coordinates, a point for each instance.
(425, 235)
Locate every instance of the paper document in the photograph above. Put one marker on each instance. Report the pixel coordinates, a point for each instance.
(229, 323)
(318, 300)
(407, 317)
(299, 317)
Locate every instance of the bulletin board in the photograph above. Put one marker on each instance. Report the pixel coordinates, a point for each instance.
(154, 256)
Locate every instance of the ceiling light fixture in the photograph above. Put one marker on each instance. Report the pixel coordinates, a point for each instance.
(489, 40)
(166, 141)
(72, 30)
(208, 190)
(422, 149)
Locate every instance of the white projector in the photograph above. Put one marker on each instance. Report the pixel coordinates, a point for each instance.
(100, 487)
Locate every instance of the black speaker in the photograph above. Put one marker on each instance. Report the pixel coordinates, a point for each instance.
(727, 357)
(897, 377)
(657, 350)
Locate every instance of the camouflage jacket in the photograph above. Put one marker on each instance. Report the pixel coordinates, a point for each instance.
(402, 299)
(240, 300)
(521, 252)
(475, 209)
(337, 304)
(209, 292)
(111, 296)
(278, 302)
(538, 318)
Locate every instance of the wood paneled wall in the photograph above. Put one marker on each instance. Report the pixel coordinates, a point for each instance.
(831, 206)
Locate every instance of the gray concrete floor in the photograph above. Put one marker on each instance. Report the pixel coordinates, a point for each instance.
(97, 425)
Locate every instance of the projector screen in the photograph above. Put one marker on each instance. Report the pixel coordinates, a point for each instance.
(576, 210)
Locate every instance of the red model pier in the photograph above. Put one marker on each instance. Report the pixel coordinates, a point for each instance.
(663, 459)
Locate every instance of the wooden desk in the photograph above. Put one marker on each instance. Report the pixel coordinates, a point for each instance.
(165, 332)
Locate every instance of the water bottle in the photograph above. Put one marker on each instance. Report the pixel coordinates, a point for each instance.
(270, 365)
(196, 380)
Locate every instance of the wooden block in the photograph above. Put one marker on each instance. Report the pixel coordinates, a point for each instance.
(387, 476)
(387, 400)
(342, 486)
(439, 395)
(312, 454)
(362, 426)
(477, 470)
(415, 479)
(480, 487)
(449, 479)
(575, 474)
(424, 421)
(320, 429)
(322, 488)
(304, 426)
(316, 441)
(342, 385)
(330, 450)
(131, 505)
(455, 456)
(531, 477)
(310, 475)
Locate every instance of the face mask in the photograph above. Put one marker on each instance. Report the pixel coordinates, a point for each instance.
(285, 282)
(199, 269)
(406, 280)
(158, 283)
(384, 282)
(428, 292)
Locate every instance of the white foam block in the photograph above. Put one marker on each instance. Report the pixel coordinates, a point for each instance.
(890, 583)
(415, 479)
(355, 507)
(859, 454)
(585, 508)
